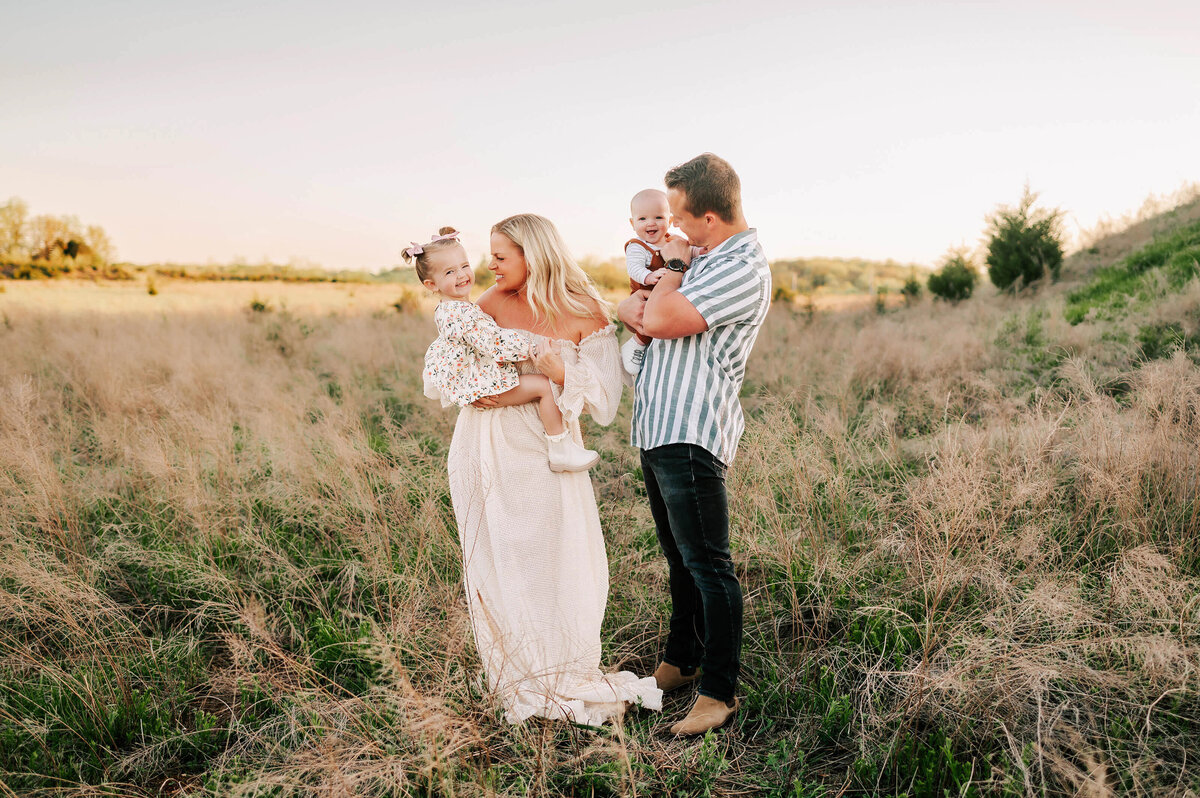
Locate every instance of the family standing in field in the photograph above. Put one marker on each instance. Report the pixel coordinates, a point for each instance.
(538, 350)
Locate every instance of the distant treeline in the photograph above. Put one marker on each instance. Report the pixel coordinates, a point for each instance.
(797, 275)
(48, 246)
(842, 275)
(40, 247)
(35, 247)
(266, 271)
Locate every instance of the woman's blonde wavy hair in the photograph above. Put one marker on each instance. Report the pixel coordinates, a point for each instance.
(554, 282)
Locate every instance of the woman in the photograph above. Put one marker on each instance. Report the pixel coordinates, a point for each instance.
(534, 564)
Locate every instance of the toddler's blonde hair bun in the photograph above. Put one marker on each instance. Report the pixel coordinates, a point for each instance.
(420, 260)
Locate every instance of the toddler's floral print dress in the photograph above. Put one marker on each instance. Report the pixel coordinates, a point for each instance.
(470, 357)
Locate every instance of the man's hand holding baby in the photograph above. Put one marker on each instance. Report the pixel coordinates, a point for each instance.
(632, 308)
(677, 248)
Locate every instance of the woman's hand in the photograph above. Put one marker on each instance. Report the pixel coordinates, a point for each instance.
(547, 360)
(485, 403)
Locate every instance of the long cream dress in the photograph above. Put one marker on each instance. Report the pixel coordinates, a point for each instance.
(535, 569)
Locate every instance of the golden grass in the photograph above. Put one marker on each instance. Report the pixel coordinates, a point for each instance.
(968, 537)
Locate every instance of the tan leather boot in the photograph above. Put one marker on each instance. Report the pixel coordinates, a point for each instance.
(668, 677)
(707, 713)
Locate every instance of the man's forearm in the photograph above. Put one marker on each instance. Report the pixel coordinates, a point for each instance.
(667, 284)
(668, 313)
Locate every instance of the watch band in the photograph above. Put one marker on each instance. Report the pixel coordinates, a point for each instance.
(676, 265)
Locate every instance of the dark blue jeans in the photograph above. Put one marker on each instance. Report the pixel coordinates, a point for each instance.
(686, 487)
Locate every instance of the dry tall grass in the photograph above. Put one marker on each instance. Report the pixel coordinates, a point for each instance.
(967, 534)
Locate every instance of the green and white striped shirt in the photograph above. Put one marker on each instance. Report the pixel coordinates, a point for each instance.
(687, 389)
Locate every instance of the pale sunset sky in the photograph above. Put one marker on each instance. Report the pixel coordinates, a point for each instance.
(335, 133)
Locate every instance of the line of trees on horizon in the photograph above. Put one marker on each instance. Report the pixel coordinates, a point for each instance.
(1024, 244)
(49, 246)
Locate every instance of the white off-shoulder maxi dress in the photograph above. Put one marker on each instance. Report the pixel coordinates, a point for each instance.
(534, 563)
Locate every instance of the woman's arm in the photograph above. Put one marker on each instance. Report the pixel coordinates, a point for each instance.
(591, 373)
(548, 360)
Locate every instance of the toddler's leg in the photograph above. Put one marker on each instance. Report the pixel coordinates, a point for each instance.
(535, 388)
(563, 452)
(633, 351)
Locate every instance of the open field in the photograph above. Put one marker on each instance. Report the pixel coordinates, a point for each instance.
(191, 297)
(968, 537)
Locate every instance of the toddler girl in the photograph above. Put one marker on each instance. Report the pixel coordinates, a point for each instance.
(471, 356)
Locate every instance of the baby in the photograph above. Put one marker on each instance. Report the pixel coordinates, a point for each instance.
(650, 218)
(472, 355)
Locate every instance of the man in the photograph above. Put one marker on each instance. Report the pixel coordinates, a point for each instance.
(703, 314)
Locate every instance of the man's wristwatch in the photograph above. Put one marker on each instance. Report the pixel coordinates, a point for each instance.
(676, 265)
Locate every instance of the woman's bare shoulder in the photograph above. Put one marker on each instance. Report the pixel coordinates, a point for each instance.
(489, 301)
(505, 307)
(593, 323)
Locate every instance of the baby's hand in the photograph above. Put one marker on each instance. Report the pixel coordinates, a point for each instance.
(653, 277)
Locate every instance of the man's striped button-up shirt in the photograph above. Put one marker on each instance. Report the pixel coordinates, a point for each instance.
(687, 389)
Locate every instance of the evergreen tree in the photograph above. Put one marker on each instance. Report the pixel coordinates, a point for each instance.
(1025, 243)
(956, 279)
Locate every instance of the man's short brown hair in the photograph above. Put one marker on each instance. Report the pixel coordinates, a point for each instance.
(710, 185)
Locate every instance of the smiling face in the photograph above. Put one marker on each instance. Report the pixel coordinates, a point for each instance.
(450, 273)
(651, 216)
(508, 263)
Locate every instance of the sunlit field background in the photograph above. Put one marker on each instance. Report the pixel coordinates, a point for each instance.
(968, 535)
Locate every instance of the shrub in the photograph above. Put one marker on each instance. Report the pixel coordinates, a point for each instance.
(606, 275)
(809, 307)
(956, 279)
(258, 306)
(151, 288)
(409, 300)
(783, 293)
(911, 290)
(881, 299)
(1025, 243)
(484, 277)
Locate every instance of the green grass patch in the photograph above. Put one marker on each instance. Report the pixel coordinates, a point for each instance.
(1175, 258)
(1156, 341)
(133, 716)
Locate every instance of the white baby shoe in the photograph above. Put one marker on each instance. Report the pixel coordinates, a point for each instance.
(567, 455)
(633, 352)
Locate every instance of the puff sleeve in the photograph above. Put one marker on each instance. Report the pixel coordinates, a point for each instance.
(592, 377)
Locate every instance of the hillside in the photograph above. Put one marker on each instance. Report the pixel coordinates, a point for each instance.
(1116, 247)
